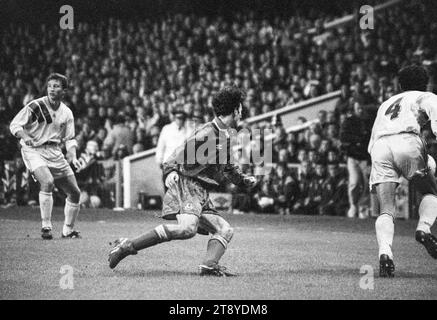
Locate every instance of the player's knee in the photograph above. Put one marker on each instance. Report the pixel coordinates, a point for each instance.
(383, 218)
(227, 232)
(47, 184)
(188, 231)
(74, 195)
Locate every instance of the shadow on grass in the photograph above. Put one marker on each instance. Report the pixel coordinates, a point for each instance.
(412, 275)
(148, 273)
(355, 272)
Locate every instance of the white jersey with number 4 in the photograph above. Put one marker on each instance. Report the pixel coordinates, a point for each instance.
(404, 112)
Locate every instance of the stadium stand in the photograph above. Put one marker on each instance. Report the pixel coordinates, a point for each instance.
(139, 68)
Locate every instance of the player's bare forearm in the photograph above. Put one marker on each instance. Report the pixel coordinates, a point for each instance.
(71, 154)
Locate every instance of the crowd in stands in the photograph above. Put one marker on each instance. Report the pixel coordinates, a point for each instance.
(127, 76)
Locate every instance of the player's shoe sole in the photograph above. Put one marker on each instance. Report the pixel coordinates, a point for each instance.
(123, 247)
(71, 235)
(429, 241)
(386, 267)
(46, 234)
(215, 271)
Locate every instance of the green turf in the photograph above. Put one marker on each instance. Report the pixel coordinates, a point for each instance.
(292, 257)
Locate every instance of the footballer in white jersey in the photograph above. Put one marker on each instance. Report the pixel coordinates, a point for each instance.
(397, 149)
(42, 125)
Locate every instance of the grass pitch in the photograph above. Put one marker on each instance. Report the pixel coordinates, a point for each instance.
(276, 257)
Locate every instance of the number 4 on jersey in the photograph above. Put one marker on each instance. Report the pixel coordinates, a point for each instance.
(394, 109)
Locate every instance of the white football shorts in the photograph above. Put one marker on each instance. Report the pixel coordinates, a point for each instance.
(49, 156)
(397, 155)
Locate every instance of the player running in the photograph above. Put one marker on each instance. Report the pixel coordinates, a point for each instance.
(188, 180)
(397, 150)
(41, 126)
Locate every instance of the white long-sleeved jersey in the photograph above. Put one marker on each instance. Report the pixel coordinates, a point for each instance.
(169, 139)
(43, 124)
(404, 112)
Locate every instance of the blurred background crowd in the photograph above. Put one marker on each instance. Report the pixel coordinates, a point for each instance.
(135, 72)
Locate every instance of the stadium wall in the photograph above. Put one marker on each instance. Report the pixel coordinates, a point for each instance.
(141, 173)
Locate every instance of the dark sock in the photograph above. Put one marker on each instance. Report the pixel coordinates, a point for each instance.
(146, 240)
(214, 252)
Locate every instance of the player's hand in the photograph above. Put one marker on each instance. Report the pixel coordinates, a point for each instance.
(171, 179)
(76, 163)
(28, 141)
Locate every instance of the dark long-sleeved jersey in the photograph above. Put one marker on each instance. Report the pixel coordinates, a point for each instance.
(207, 157)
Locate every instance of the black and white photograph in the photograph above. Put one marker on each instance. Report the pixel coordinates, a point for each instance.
(218, 154)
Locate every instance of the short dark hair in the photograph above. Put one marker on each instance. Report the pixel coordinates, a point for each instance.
(227, 100)
(61, 78)
(413, 77)
(119, 118)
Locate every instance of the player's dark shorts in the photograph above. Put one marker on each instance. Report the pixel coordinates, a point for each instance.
(187, 196)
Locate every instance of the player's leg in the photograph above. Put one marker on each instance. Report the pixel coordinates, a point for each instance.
(44, 177)
(364, 201)
(72, 206)
(374, 205)
(384, 178)
(385, 222)
(353, 186)
(384, 226)
(222, 234)
(427, 186)
(179, 201)
(420, 171)
(35, 163)
(186, 228)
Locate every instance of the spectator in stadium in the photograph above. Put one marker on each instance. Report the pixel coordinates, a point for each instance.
(334, 187)
(355, 135)
(120, 135)
(316, 189)
(342, 104)
(195, 121)
(304, 177)
(201, 58)
(172, 136)
(322, 117)
(265, 198)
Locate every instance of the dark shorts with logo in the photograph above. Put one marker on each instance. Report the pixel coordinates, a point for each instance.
(188, 196)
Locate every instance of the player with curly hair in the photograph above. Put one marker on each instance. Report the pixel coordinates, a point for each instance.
(189, 173)
(398, 150)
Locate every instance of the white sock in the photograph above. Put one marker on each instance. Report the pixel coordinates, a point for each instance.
(385, 229)
(46, 207)
(427, 213)
(71, 211)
